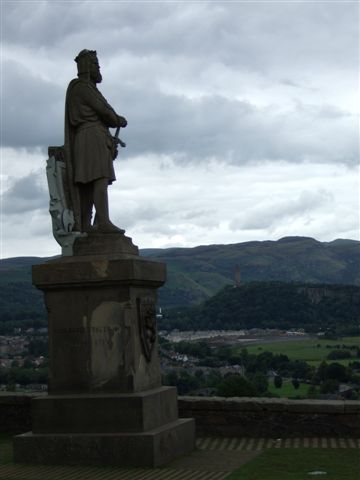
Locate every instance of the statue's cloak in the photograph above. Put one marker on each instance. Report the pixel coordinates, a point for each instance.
(72, 190)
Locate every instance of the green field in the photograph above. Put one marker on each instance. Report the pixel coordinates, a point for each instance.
(301, 464)
(312, 351)
(287, 389)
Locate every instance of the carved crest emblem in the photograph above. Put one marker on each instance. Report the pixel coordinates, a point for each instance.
(147, 325)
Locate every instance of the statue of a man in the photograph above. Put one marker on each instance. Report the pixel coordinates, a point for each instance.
(90, 148)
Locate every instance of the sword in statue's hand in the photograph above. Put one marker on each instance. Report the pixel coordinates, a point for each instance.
(117, 139)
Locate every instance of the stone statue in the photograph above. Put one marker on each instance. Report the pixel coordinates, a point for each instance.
(90, 149)
(106, 404)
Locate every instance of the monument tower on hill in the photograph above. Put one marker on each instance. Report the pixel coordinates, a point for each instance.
(237, 276)
(105, 402)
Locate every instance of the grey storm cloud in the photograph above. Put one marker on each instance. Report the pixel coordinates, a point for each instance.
(264, 216)
(32, 108)
(26, 194)
(142, 215)
(234, 33)
(278, 41)
(193, 129)
(242, 115)
(239, 132)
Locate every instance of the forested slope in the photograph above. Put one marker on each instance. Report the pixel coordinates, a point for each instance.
(313, 307)
(196, 274)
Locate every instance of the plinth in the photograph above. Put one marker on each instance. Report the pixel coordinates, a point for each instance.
(106, 405)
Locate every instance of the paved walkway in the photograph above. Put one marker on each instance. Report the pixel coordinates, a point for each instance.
(213, 459)
(250, 444)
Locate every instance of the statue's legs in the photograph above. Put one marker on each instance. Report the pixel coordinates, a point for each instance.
(96, 194)
(101, 202)
(86, 201)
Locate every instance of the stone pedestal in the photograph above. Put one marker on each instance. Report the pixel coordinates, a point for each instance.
(106, 404)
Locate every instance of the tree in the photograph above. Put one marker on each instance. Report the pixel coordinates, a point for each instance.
(299, 369)
(27, 363)
(279, 362)
(224, 353)
(38, 347)
(171, 378)
(184, 382)
(329, 386)
(213, 378)
(339, 354)
(260, 382)
(4, 373)
(311, 391)
(236, 386)
(278, 381)
(336, 371)
(295, 382)
(321, 371)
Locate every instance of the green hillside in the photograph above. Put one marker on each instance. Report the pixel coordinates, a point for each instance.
(313, 307)
(196, 274)
(21, 304)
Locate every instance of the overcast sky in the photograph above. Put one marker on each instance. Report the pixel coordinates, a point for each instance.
(243, 117)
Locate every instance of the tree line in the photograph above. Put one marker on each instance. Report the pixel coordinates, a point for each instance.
(323, 379)
(277, 305)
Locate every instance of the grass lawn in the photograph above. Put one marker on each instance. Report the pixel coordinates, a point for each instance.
(307, 350)
(296, 464)
(272, 464)
(287, 389)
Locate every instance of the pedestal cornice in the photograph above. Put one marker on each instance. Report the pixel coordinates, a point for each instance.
(80, 271)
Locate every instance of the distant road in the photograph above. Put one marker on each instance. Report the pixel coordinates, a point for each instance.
(235, 337)
(273, 339)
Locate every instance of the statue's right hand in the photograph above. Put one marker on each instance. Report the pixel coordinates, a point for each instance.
(122, 121)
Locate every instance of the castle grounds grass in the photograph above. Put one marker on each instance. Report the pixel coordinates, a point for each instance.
(297, 464)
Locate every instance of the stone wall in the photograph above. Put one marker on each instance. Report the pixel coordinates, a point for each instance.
(15, 416)
(231, 417)
(273, 418)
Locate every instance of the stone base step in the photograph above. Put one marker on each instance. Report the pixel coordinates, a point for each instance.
(105, 413)
(148, 449)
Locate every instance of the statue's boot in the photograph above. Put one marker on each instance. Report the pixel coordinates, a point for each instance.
(108, 227)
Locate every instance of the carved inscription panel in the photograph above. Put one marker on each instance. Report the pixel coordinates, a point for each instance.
(97, 350)
(110, 334)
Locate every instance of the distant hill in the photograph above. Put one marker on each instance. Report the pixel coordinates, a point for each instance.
(196, 274)
(21, 304)
(313, 307)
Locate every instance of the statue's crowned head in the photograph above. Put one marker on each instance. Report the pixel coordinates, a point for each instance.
(88, 65)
